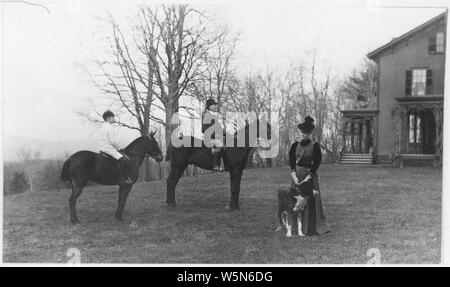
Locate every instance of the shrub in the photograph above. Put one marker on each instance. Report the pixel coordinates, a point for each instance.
(49, 174)
(19, 183)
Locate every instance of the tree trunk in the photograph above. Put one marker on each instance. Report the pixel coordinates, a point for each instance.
(168, 134)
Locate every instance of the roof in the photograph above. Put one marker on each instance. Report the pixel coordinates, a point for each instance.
(375, 53)
(359, 112)
(421, 99)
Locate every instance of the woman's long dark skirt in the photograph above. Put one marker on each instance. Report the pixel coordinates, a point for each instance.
(313, 218)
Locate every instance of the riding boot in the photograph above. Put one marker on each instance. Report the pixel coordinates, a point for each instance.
(124, 169)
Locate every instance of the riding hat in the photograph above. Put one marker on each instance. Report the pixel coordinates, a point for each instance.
(210, 102)
(308, 125)
(107, 114)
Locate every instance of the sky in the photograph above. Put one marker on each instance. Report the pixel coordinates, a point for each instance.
(42, 53)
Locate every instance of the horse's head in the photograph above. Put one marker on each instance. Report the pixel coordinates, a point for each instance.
(151, 147)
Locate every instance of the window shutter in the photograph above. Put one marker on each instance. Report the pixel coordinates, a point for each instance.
(429, 84)
(432, 44)
(408, 83)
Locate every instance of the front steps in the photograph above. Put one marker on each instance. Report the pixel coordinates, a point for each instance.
(356, 158)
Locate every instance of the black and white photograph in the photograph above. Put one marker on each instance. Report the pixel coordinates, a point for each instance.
(237, 133)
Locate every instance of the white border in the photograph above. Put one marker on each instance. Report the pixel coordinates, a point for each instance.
(445, 239)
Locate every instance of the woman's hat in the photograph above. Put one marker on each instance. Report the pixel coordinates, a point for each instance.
(308, 125)
(210, 102)
(107, 114)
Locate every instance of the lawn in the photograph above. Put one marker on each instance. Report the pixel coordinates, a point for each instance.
(397, 211)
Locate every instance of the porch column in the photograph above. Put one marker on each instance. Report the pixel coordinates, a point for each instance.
(400, 132)
(438, 120)
(360, 136)
(364, 137)
(344, 133)
(374, 136)
(352, 132)
(404, 135)
(357, 137)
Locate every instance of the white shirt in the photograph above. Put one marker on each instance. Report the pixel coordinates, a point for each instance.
(109, 138)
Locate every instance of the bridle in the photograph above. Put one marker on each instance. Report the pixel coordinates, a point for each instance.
(137, 154)
(145, 155)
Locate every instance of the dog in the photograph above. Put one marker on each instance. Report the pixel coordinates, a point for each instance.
(291, 202)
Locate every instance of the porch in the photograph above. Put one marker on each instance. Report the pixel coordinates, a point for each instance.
(358, 136)
(420, 130)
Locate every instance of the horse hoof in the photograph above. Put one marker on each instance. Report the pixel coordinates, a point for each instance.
(232, 208)
(75, 221)
(171, 204)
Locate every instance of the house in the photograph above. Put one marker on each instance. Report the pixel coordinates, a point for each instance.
(406, 125)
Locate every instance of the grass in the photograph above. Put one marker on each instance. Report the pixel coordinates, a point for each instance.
(397, 211)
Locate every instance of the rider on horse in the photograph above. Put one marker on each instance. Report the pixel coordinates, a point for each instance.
(111, 146)
(211, 117)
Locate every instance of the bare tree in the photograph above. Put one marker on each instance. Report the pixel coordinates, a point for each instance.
(289, 86)
(320, 92)
(218, 69)
(267, 82)
(155, 66)
(360, 88)
(28, 158)
(182, 41)
(247, 96)
(126, 78)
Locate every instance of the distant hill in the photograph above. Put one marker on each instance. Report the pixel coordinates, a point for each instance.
(13, 144)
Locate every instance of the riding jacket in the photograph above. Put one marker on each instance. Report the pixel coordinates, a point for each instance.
(110, 143)
(208, 120)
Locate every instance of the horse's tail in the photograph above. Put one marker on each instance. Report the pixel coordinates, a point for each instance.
(168, 153)
(65, 171)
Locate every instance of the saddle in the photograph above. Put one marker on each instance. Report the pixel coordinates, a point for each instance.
(107, 155)
(110, 157)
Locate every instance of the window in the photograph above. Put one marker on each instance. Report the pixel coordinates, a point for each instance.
(436, 43)
(414, 128)
(418, 82)
(440, 42)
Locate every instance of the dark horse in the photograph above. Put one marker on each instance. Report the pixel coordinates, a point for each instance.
(83, 166)
(234, 158)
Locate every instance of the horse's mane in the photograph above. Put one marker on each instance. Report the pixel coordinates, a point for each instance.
(133, 143)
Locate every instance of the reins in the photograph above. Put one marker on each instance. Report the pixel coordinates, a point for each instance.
(136, 154)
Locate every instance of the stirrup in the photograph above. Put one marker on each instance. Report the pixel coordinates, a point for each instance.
(125, 181)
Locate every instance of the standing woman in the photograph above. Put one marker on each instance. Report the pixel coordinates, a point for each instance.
(305, 157)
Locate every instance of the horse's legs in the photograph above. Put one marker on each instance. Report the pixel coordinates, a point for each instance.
(123, 195)
(77, 188)
(172, 181)
(235, 186)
